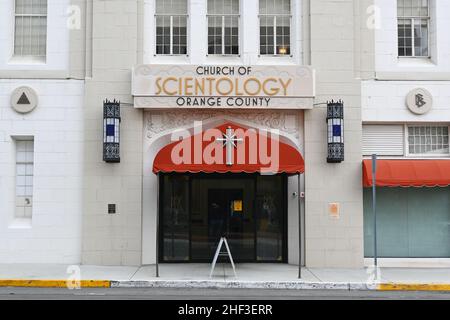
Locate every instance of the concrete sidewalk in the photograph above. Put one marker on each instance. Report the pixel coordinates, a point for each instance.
(273, 276)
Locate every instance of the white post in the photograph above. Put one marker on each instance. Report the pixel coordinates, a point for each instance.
(158, 206)
(299, 229)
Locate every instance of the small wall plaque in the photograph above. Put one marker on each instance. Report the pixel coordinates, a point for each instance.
(419, 101)
(24, 99)
(334, 209)
(112, 208)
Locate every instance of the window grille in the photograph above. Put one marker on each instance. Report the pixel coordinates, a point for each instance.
(413, 28)
(30, 31)
(223, 27)
(171, 27)
(428, 140)
(275, 27)
(24, 178)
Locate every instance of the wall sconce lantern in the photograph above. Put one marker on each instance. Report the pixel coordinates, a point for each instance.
(335, 122)
(111, 131)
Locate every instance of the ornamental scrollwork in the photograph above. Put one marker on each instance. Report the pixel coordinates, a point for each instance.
(159, 122)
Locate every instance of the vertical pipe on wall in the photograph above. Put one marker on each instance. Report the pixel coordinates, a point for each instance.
(306, 34)
(89, 38)
(140, 31)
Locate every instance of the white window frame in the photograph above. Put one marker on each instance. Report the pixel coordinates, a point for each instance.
(223, 32)
(424, 155)
(15, 55)
(171, 32)
(275, 54)
(413, 19)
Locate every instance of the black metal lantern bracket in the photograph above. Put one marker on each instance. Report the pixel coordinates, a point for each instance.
(111, 131)
(335, 131)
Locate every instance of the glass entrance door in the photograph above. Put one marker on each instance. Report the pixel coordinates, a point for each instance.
(198, 209)
(226, 218)
(222, 207)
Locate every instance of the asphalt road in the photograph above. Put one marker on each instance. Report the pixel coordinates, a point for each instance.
(209, 294)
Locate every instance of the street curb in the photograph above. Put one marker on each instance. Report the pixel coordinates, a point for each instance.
(193, 284)
(283, 285)
(54, 283)
(414, 287)
(205, 284)
(214, 284)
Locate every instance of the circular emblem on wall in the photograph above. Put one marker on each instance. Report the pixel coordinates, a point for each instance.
(24, 99)
(419, 101)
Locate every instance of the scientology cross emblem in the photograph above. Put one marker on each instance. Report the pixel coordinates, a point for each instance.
(229, 140)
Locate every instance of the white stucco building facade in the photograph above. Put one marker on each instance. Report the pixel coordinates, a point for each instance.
(396, 130)
(60, 202)
(50, 232)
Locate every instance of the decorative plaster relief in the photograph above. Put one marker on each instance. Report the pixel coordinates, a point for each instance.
(158, 121)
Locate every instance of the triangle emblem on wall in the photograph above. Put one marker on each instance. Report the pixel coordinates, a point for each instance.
(23, 99)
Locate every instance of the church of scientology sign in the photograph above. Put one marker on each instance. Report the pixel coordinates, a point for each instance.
(229, 87)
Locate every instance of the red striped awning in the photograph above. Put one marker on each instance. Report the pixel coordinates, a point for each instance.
(183, 156)
(408, 173)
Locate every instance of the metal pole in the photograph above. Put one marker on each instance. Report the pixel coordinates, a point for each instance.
(157, 224)
(374, 208)
(299, 229)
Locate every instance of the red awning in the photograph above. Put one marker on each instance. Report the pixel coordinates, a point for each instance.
(186, 155)
(408, 173)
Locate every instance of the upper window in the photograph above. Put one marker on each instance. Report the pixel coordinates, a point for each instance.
(30, 34)
(413, 28)
(428, 140)
(223, 27)
(171, 27)
(275, 27)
